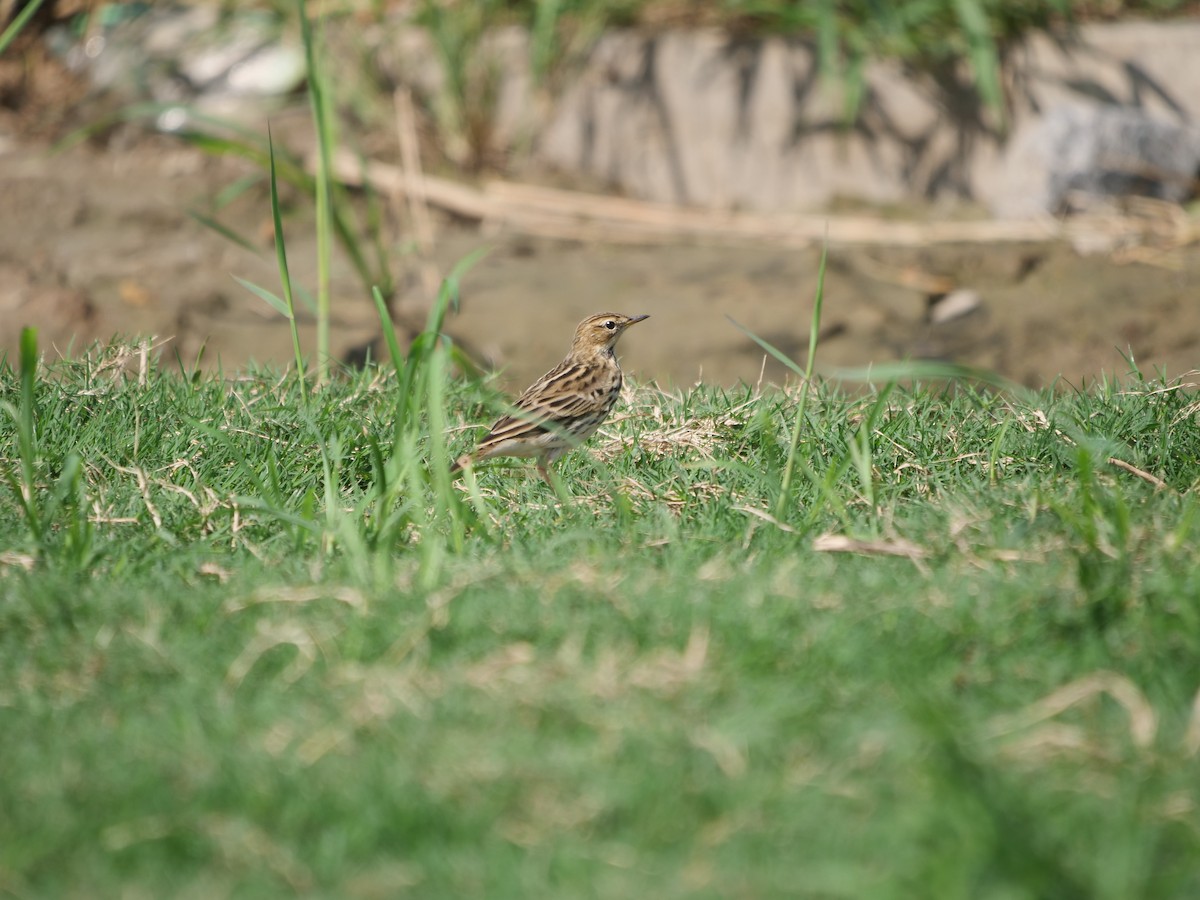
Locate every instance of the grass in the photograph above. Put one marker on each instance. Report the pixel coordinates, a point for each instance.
(250, 646)
(904, 641)
(17, 24)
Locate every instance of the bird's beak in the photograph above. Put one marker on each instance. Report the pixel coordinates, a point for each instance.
(635, 319)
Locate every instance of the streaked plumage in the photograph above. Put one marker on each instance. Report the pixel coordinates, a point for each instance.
(565, 406)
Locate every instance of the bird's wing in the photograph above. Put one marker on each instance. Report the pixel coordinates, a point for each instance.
(565, 392)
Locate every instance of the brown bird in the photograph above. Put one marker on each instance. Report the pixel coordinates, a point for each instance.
(565, 406)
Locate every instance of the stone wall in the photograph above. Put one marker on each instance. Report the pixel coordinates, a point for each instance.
(704, 119)
(701, 118)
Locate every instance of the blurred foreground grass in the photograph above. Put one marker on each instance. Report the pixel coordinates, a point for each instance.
(233, 663)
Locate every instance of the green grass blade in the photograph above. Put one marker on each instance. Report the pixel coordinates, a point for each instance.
(806, 373)
(28, 436)
(24, 418)
(925, 369)
(983, 55)
(285, 277)
(768, 347)
(225, 231)
(448, 297)
(350, 236)
(236, 189)
(238, 139)
(27, 433)
(277, 303)
(320, 100)
(814, 332)
(18, 24)
(389, 330)
(543, 43)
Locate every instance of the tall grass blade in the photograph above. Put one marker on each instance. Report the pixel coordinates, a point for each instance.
(450, 297)
(770, 348)
(23, 486)
(389, 329)
(225, 231)
(806, 373)
(854, 85)
(425, 342)
(248, 143)
(927, 369)
(983, 55)
(542, 39)
(26, 436)
(68, 508)
(828, 48)
(276, 302)
(320, 99)
(18, 24)
(860, 452)
(235, 189)
(285, 278)
(382, 279)
(814, 330)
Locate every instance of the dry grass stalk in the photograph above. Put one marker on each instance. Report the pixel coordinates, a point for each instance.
(1158, 483)
(840, 543)
(1143, 721)
(1134, 231)
(418, 206)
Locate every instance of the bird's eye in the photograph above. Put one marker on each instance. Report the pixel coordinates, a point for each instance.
(610, 324)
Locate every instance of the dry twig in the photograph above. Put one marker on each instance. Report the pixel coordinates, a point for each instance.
(549, 212)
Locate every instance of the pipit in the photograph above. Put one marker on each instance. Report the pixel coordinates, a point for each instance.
(565, 406)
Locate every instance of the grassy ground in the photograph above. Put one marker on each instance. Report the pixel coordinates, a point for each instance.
(907, 642)
(250, 647)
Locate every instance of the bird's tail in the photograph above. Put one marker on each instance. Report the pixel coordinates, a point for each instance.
(460, 463)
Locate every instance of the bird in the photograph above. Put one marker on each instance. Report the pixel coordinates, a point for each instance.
(564, 407)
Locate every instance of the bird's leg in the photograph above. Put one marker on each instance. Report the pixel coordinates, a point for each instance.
(551, 478)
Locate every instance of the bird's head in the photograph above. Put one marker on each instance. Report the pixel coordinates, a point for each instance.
(600, 333)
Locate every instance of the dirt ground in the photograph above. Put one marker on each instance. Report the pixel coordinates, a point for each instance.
(97, 241)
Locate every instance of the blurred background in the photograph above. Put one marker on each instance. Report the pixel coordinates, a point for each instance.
(1001, 184)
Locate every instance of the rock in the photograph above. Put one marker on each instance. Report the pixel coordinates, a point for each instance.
(1074, 154)
(954, 305)
(236, 65)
